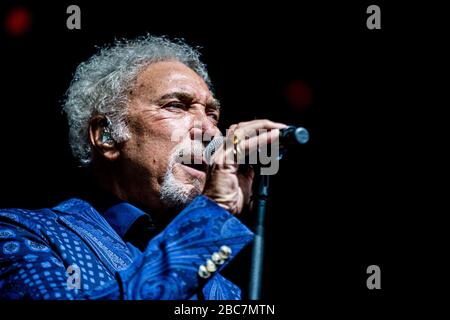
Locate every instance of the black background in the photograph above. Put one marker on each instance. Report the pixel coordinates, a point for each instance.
(338, 205)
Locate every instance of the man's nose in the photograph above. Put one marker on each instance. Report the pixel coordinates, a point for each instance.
(203, 130)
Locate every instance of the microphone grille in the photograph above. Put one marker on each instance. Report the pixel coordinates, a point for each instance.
(212, 147)
(301, 135)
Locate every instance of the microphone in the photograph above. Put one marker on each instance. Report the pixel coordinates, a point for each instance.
(293, 135)
(289, 137)
(212, 147)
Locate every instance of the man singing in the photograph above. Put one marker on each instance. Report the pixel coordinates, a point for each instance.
(153, 227)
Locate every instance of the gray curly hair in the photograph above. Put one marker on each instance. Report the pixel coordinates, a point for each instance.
(101, 84)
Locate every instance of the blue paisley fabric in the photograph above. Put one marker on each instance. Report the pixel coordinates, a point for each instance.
(40, 248)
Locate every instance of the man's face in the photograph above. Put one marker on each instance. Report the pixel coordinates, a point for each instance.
(170, 105)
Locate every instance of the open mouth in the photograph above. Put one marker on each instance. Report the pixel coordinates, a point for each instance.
(203, 167)
(196, 166)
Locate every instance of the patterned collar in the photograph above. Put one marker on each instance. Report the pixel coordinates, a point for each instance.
(126, 219)
(121, 216)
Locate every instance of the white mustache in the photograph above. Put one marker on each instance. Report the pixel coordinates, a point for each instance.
(188, 153)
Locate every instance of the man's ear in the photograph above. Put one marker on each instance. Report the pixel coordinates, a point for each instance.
(101, 138)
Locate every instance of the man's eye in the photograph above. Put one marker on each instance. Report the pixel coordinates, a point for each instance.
(214, 116)
(174, 105)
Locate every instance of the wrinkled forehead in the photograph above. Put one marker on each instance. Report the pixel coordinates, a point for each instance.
(165, 77)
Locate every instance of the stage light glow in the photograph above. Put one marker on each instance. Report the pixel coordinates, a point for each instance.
(18, 21)
(299, 95)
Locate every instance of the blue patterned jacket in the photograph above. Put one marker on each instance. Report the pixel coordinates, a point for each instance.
(40, 250)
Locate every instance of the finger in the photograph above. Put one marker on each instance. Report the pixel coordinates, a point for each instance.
(226, 154)
(245, 183)
(247, 128)
(261, 141)
(245, 133)
(255, 125)
(224, 158)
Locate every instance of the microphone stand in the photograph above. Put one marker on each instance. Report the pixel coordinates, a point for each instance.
(256, 268)
(290, 136)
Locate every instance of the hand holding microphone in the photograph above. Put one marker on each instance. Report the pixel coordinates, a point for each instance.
(225, 184)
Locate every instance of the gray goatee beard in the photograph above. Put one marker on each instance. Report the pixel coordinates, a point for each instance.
(173, 193)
